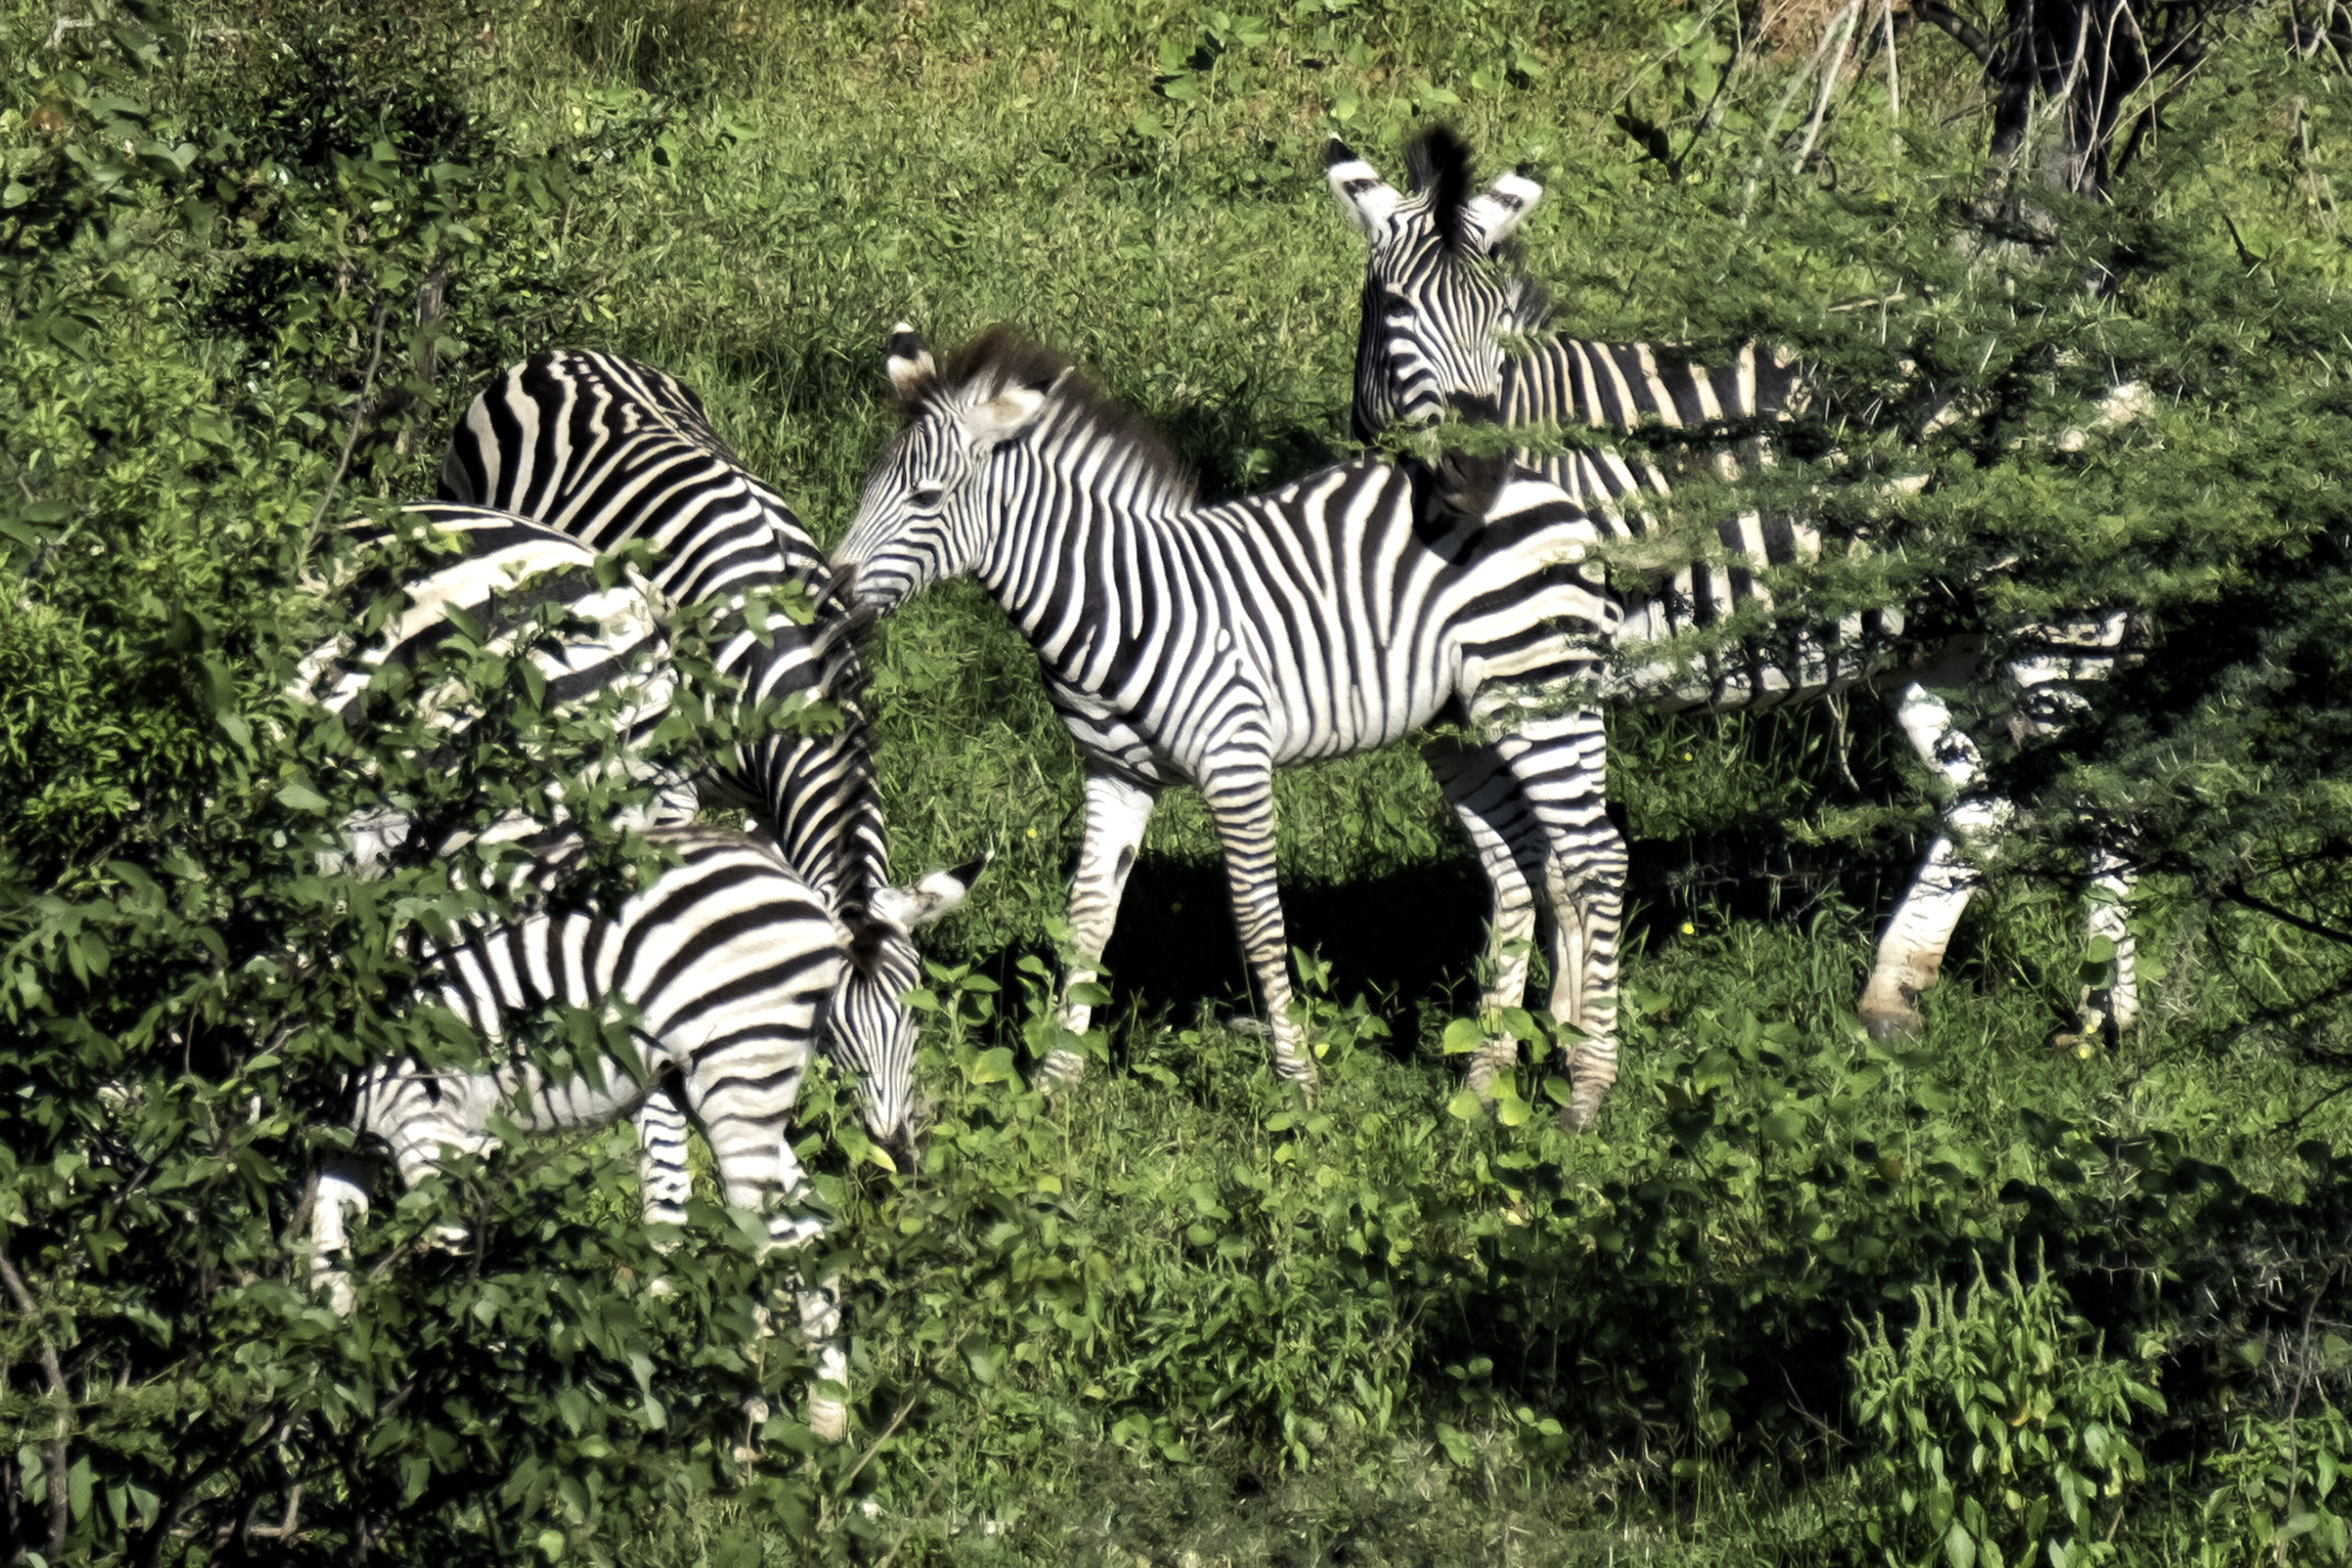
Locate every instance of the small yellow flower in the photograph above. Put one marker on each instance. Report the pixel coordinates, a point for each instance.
(1689, 929)
(1033, 833)
(1686, 756)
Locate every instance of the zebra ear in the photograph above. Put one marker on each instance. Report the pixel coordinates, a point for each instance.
(931, 897)
(1488, 219)
(909, 362)
(1007, 414)
(1367, 199)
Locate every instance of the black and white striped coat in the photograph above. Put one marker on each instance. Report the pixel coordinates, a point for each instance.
(608, 451)
(1446, 323)
(596, 643)
(1209, 644)
(729, 965)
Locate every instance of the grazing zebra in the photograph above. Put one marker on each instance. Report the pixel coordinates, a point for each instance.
(730, 963)
(607, 450)
(1182, 642)
(503, 573)
(1441, 315)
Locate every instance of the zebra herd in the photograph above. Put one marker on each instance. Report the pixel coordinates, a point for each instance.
(1180, 641)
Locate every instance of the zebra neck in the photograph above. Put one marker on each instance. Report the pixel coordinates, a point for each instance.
(1072, 509)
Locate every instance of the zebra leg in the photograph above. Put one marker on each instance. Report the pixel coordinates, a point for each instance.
(1510, 845)
(1240, 795)
(342, 1183)
(1911, 951)
(1561, 768)
(747, 1120)
(1117, 812)
(661, 1170)
(2116, 1004)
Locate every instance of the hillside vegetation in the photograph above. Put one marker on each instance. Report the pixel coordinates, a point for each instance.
(1799, 1298)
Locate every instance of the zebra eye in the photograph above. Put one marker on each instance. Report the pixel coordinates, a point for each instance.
(928, 497)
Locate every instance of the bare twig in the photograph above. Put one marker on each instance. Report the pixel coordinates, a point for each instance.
(2297, 1120)
(1780, 113)
(351, 437)
(1843, 27)
(905, 1407)
(1894, 83)
(60, 1519)
(2237, 894)
(68, 25)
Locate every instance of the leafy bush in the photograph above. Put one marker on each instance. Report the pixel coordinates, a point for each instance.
(1173, 1311)
(1995, 1427)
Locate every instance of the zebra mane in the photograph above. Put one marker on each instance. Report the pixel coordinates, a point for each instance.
(1002, 356)
(844, 626)
(1437, 161)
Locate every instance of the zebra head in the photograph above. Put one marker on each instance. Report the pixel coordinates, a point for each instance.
(873, 1029)
(1436, 303)
(925, 515)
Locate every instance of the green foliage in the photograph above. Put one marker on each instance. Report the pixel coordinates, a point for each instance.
(1997, 1425)
(2276, 1481)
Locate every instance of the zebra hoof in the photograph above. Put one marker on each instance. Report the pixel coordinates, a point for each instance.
(1577, 1119)
(1241, 1023)
(336, 1287)
(1893, 1023)
(1490, 1064)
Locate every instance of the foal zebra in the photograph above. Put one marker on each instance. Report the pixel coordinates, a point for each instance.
(730, 963)
(1182, 642)
(1438, 314)
(607, 449)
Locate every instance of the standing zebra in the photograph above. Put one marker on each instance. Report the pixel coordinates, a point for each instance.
(607, 449)
(1441, 313)
(1182, 642)
(730, 963)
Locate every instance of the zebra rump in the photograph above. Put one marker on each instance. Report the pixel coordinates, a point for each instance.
(509, 579)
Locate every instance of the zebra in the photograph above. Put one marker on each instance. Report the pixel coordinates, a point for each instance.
(1185, 641)
(608, 450)
(729, 963)
(503, 573)
(1445, 321)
